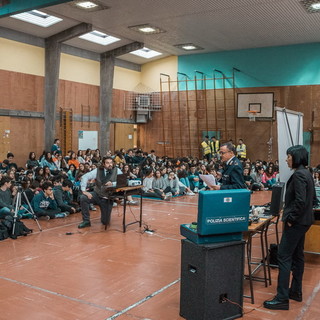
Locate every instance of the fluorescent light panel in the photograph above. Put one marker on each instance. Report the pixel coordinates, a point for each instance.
(38, 18)
(99, 37)
(146, 53)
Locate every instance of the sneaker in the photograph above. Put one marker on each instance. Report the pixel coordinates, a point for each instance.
(114, 204)
(169, 194)
(60, 215)
(133, 203)
(47, 217)
(196, 190)
(92, 207)
(190, 194)
(167, 197)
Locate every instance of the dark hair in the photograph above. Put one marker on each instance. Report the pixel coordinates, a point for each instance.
(148, 172)
(46, 185)
(30, 155)
(300, 156)
(230, 147)
(34, 185)
(4, 180)
(55, 140)
(6, 161)
(67, 183)
(10, 154)
(58, 179)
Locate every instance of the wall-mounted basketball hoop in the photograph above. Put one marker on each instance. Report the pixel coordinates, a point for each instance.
(252, 115)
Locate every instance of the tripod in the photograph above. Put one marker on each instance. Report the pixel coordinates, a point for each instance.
(17, 205)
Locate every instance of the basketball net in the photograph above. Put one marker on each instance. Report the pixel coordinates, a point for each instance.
(252, 115)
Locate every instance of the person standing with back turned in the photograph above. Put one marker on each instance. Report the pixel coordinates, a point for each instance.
(297, 218)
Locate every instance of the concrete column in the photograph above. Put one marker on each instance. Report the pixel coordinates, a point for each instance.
(106, 85)
(52, 67)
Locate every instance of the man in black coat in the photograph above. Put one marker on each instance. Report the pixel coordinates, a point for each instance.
(297, 218)
(232, 175)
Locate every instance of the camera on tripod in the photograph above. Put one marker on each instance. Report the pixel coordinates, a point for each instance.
(20, 182)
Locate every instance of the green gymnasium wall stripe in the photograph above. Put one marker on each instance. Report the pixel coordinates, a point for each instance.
(9, 7)
(260, 67)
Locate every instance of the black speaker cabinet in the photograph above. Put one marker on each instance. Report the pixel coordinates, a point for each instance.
(211, 274)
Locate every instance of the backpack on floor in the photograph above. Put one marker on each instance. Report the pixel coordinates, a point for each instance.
(19, 230)
(3, 232)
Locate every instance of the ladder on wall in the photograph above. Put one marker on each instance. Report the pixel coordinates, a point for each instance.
(66, 129)
(194, 111)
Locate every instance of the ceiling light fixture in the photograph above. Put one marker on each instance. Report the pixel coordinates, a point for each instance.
(316, 6)
(311, 6)
(86, 4)
(146, 53)
(89, 6)
(38, 18)
(99, 37)
(147, 29)
(188, 46)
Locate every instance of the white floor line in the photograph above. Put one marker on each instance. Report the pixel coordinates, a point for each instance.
(142, 300)
(309, 301)
(58, 294)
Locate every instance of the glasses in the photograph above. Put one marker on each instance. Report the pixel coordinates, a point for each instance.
(223, 152)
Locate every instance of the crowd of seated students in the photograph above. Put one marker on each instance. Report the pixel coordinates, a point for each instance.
(52, 181)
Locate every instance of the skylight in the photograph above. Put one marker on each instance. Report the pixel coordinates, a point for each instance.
(38, 18)
(99, 37)
(146, 53)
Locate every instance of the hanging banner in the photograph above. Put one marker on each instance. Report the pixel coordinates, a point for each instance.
(290, 133)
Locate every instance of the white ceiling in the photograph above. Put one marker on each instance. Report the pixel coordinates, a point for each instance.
(215, 25)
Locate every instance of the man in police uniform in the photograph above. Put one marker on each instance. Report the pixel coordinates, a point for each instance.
(232, 175)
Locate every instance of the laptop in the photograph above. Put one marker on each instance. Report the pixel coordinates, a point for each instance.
(122, 181)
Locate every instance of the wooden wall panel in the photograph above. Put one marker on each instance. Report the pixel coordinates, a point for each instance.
(26, 135)
(25, 92)
(21, 91)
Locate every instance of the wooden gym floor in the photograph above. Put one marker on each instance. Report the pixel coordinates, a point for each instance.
(96, 274)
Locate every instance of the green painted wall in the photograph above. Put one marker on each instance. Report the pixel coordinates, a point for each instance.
(17, 6)
(261, 67)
